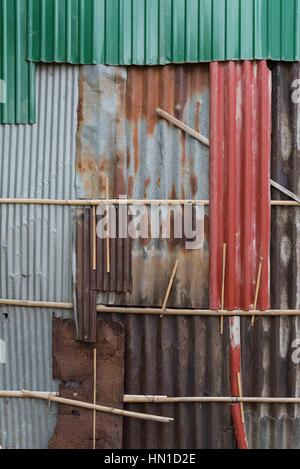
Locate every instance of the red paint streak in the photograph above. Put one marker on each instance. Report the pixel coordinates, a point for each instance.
(238, 426)
(235, 370)
(240, 130)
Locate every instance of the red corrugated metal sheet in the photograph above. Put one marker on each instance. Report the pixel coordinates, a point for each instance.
(240, 129)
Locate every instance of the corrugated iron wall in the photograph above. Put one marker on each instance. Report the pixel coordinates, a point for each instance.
(141, 32)
(36, 250)
(270, 368)
(15, 71)
(121, 137)
(177, 357)
(240, 147)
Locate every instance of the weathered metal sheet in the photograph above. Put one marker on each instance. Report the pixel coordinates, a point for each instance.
(36, 250)
(141, 32)
(177, 356)
(121, 138)
(271, 353)
(17, 76)
(113, 278)
(240, 147)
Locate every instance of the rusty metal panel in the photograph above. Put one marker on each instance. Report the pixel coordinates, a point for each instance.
(121, 137)
(240, 131)
(89, 281)
(86, 298)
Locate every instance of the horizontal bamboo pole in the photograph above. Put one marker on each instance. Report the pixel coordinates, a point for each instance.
(151, 311)
(20, 394)
(36, 304)
(97, 202)
(194, 312)
(98, 408)
(131, 399)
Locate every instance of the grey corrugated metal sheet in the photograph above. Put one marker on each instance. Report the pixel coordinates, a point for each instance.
(121, 137)
(35, 256)
(150, 32)
(17, 73)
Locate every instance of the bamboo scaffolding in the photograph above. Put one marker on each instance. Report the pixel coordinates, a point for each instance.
(145, 399)
(98, 408)
(20, 394)
(97, 202)
(182, 126)
(223, 286)
(108, 229)
(257, 290)
(285, 191)
(171, 281)
(150, 311)
(94, 235)
(239, 379)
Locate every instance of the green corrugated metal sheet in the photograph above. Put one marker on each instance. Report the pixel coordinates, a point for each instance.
(148, 32)
(17, 74)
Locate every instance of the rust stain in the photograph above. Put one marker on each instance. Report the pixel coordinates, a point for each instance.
(197, 116)
(130, 186)
(194, 185)
(136, 149)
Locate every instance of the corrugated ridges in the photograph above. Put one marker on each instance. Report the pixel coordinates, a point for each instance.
(240, 150)
(141, 32)
(17, 73)
(36, 249)
(121, 137)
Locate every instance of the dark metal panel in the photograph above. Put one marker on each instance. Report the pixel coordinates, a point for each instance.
(270, 358)
(89, 281)
(240, 147)
(86, 304)
(177, 356)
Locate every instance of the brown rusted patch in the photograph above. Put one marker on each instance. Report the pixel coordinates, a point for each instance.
(194, 185)
(73, 366)
(152, 87)
(197, 116)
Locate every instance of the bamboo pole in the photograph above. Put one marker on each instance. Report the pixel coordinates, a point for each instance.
(97, 202)
(223, 285)
(150, 311)
(94, 234)
(171, 281)
(108, 230)
(285, 191)
(36, 304)
(193, 312)
(20, 394)
(257, 289)
(241, 395)
(182, 126)
(95, 398)
(98, 408)
(144, 399)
